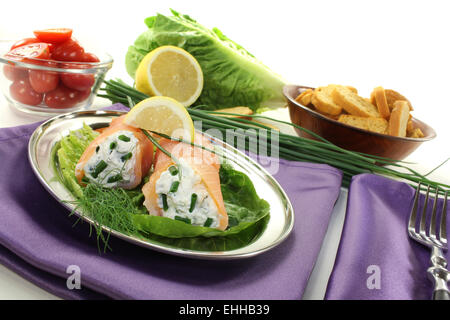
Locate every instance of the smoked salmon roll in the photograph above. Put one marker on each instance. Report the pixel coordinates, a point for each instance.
(119, 157)
(189, 190)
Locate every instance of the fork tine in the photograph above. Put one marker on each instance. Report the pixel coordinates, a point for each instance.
(413, 214)
(443, 227)
(432, 229)
(423, 218)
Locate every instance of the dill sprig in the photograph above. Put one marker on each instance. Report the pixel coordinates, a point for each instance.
(111, 208)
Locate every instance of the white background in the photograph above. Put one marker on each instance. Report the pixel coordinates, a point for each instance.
(401, 45)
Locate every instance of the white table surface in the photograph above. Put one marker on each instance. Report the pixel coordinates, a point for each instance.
(399, 45)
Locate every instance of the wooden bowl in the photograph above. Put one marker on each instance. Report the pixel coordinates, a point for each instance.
(349, 137)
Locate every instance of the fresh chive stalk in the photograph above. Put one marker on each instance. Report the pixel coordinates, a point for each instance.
(290, 147)
(167, 153)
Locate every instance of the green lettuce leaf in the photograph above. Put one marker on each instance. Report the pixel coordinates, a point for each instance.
(232, 75)
(66, 154)
(216, 243)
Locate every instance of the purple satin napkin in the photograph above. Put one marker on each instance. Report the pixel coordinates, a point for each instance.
(40, 242)
(376, 259)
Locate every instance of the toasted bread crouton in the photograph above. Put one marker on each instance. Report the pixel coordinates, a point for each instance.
(379, 125)
(304, 98)
(245, 111)
(323, 100)
(352, 89)
(353, 103)
(378, 98)
(392, 96)
(409, 127)
(416, 133)
(265, 124)
(399, 119)
(330, 116)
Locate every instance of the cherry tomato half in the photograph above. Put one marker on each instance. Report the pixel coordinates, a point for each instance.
(22, 92)
(56, 35)
(69, 50)
(62, 97)
(38, 50)
(14, 73)
(24, 42)
(43, 81)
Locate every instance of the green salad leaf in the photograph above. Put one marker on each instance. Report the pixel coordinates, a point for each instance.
(123, 210)
(66, 154)
(232, 75)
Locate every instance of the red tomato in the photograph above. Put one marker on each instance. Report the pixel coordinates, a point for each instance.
(43, 81)
(22, 91)
(38, 50)
(24, 42)
(83, 95)
(80, 82)
(53, 35)
(90, 57)
(61, 98)
(14, 73)
(69, 50)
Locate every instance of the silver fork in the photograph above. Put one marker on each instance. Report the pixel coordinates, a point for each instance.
(436, 241)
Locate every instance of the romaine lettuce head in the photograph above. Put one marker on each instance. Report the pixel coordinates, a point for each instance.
(232, 75)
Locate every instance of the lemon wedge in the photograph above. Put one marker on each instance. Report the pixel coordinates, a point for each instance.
(172, 72)
(163, 115)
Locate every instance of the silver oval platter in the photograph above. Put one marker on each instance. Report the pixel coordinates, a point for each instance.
(281, 212)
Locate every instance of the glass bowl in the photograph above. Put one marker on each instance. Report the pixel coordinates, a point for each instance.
(20, 78)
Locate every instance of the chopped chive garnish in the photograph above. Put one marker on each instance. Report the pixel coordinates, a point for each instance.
(174, 186)
(113, 145)
(188, 221)
(115, 178)
(173, 170)
(127, 156)
(124, 138)
(164, 201)
(99, 168)
(208, 222)
(193, 201)
(96, 149)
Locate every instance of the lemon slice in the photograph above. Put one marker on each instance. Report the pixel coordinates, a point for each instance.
(172, 72)
(163, 115)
